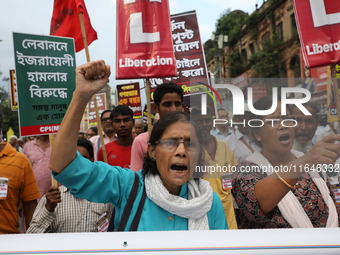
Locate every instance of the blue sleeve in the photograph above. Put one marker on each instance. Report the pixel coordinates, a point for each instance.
(97, 181)
(216, 216)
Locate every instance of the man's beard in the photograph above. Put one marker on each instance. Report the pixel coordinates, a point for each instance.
(108, 130)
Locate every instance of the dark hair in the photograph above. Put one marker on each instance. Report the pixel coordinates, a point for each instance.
(165, 88)
(123, 110)
(222, 109)
(102, 114)
(94, 129)
(149, 166)
(83, 142)
(312, 104)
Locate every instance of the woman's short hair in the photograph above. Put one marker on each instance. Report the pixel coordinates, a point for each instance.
(94, 129)
(149, 165)
(83, 142)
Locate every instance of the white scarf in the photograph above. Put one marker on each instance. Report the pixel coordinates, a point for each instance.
(290, 206)
(194, 208)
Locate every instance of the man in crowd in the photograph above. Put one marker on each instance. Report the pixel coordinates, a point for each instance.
(217, 154)
(241, 141)
(108, 133)
(306, 127)
(92, 131)
(18, 185)
(119, 151)
(221, 131)
(13, 140)
(139, 126)
(38, 151)
(168, 97)
(60, 212)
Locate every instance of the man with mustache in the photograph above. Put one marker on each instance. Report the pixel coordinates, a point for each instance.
(119, 151)
(108, 133)
(306, 127)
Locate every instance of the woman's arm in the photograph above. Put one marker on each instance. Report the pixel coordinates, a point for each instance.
(90, 78)
(269, 191)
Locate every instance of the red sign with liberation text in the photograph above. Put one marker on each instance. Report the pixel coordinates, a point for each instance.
(144, 40)
(318, 25)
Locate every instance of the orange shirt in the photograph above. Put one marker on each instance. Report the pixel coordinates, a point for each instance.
(16, 167)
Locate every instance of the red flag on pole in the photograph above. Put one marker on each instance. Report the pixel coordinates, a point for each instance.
(65, 22)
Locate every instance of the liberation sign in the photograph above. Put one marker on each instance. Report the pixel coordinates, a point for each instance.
(318, 24)
(144, 43)
(45, 81)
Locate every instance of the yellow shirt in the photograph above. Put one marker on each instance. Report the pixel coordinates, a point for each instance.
(224, 157)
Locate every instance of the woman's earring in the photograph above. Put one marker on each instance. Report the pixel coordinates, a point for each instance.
(153, 159)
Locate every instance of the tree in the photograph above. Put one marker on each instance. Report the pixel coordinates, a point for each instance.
(267, 63)
(10, 118)
(231, 23)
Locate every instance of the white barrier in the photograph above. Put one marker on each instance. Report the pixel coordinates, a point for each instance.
(270, 241)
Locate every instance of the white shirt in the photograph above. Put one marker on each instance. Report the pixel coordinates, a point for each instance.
(325, 132)
(241, 151)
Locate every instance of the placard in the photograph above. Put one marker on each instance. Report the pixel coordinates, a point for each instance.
(45, 70)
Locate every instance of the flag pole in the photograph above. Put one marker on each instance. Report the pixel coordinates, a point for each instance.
(148, 103)
(94, 98)
(336, 89)
(51, 140)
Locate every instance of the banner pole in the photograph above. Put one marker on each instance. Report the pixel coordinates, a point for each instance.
(336, 89)
(148, 103)
(94, 98)
(51, 139)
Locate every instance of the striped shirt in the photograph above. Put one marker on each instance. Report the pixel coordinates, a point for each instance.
(72, 214)
(16, 168)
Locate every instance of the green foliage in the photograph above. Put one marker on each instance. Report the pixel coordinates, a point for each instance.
(252, 23)
(10, 118)
(230, 23)
(236, 67)
(266, 63)
(210, 50)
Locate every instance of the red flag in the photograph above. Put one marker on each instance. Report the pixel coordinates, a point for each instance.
(65, 22)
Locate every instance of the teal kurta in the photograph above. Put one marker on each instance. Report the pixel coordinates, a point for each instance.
(102, 183)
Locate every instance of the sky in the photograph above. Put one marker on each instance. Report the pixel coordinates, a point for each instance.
(34, 17)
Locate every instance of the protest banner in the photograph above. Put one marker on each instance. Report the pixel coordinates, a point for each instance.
(318, 24)
(189, 54)
(101, 103)
(129, 95)
(144, 44)
(45, 81)
(190, 60)
(244, 241)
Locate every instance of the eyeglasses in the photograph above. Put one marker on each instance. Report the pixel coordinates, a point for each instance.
(106, 119)
(171, 145)
(90, 135)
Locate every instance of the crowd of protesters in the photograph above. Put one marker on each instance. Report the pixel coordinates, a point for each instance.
(258, 193)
